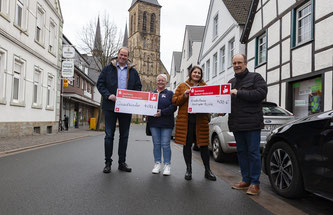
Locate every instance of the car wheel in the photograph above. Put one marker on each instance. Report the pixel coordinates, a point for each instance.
(217, 151)
(283, 171)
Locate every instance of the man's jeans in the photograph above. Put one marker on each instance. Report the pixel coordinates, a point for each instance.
(248, 152)
(110, 127)
(161, 141)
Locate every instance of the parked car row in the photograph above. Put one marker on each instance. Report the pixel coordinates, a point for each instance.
(222, 141)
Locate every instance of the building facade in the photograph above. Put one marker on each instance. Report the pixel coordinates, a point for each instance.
(30, 63)
(78, 102)
(144, 41)
(290, 44)
(175, 70)
(224, 26)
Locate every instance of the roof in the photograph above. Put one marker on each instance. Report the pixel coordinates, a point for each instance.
(195, 32)
(154, 2)
(249, 22)
(238, 9)
(177, 56)
(125, 41)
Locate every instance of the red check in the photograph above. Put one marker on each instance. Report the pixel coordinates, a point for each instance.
(210, 99)
(136, 102)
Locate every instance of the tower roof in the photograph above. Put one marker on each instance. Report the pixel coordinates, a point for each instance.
(154, 2)
(125, 41)
(98, 38)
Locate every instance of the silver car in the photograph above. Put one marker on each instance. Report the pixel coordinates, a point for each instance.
(222, 141)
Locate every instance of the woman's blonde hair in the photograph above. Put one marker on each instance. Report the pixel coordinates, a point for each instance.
(164, 76)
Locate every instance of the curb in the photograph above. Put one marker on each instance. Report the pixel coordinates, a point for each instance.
(18, 150)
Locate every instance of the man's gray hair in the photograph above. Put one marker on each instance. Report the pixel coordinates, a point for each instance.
(243, 55)
(163, 75)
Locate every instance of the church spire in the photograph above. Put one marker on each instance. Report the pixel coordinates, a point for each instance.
(98, 40)
(125, 41)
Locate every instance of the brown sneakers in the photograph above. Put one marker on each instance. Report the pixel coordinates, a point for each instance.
(240, 186)
(253, 190)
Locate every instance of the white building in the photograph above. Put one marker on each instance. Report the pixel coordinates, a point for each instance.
(224, 27)
(30, 49)
(175, 71)
(290, 44)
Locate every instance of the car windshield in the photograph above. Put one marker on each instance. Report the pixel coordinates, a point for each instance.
(274, 111)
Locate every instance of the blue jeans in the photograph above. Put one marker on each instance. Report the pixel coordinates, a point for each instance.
(110, 127)
(248, 152)
(161, 140)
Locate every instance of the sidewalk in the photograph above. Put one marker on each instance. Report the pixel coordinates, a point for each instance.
(11, 145)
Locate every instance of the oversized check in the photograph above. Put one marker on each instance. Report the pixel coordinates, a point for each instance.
(210, 99)
(136, 102)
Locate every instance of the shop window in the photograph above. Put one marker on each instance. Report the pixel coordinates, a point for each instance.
(307, 97)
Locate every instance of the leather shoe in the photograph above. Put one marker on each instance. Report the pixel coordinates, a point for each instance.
(107, 168)
(209, 175)
(240, 185)
(253, 190)
(188, 174)
(123, 167)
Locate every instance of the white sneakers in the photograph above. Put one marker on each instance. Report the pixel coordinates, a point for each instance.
(167, 169)
(157, 168)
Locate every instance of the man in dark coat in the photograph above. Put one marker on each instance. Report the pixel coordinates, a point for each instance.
(123, 76)
(246, 121)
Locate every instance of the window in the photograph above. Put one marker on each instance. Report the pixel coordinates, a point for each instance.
(231, 51)
(131, 26)
(18, 80)
(2, 74)
(207, 69)
(215, 26)
(203, 69)
(49, 95)
(189, 48)
(37, 87)
(40, 25)
(20, 14)
(78, 81)
(134, 26)
(4, 6)
(53, 37)
(302, 24)
(144, 22)
(215, 65)
(261, 49)
(152, 23)
(222, 59)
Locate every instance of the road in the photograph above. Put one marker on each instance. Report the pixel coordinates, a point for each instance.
(68, 179)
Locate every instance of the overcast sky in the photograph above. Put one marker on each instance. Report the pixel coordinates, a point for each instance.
(175, 14)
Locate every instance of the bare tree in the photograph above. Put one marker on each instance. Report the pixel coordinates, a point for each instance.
(101, 41)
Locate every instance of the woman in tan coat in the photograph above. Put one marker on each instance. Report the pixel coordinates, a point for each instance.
(192, 128)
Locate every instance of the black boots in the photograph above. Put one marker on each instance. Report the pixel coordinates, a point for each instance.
(209, 175)
(188, 174)
(107, 168)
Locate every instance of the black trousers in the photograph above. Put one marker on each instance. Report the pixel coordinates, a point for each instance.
(190, 139)
(110, 127)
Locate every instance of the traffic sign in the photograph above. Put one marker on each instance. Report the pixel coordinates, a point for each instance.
(68, 51)
(67, 70)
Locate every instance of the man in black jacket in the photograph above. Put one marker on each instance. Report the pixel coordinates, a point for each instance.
(123, 76)
(246, 121)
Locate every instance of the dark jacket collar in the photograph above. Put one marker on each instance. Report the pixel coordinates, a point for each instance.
(242, 74)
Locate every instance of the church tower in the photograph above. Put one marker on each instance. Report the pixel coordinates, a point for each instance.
(144, 41)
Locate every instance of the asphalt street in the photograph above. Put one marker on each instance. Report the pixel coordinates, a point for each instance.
(68, 179)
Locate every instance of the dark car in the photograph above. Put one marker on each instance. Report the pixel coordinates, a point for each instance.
(298, 157)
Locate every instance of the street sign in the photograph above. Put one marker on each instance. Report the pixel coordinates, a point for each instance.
(65, 83)
(68, 51)
(67, 70)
